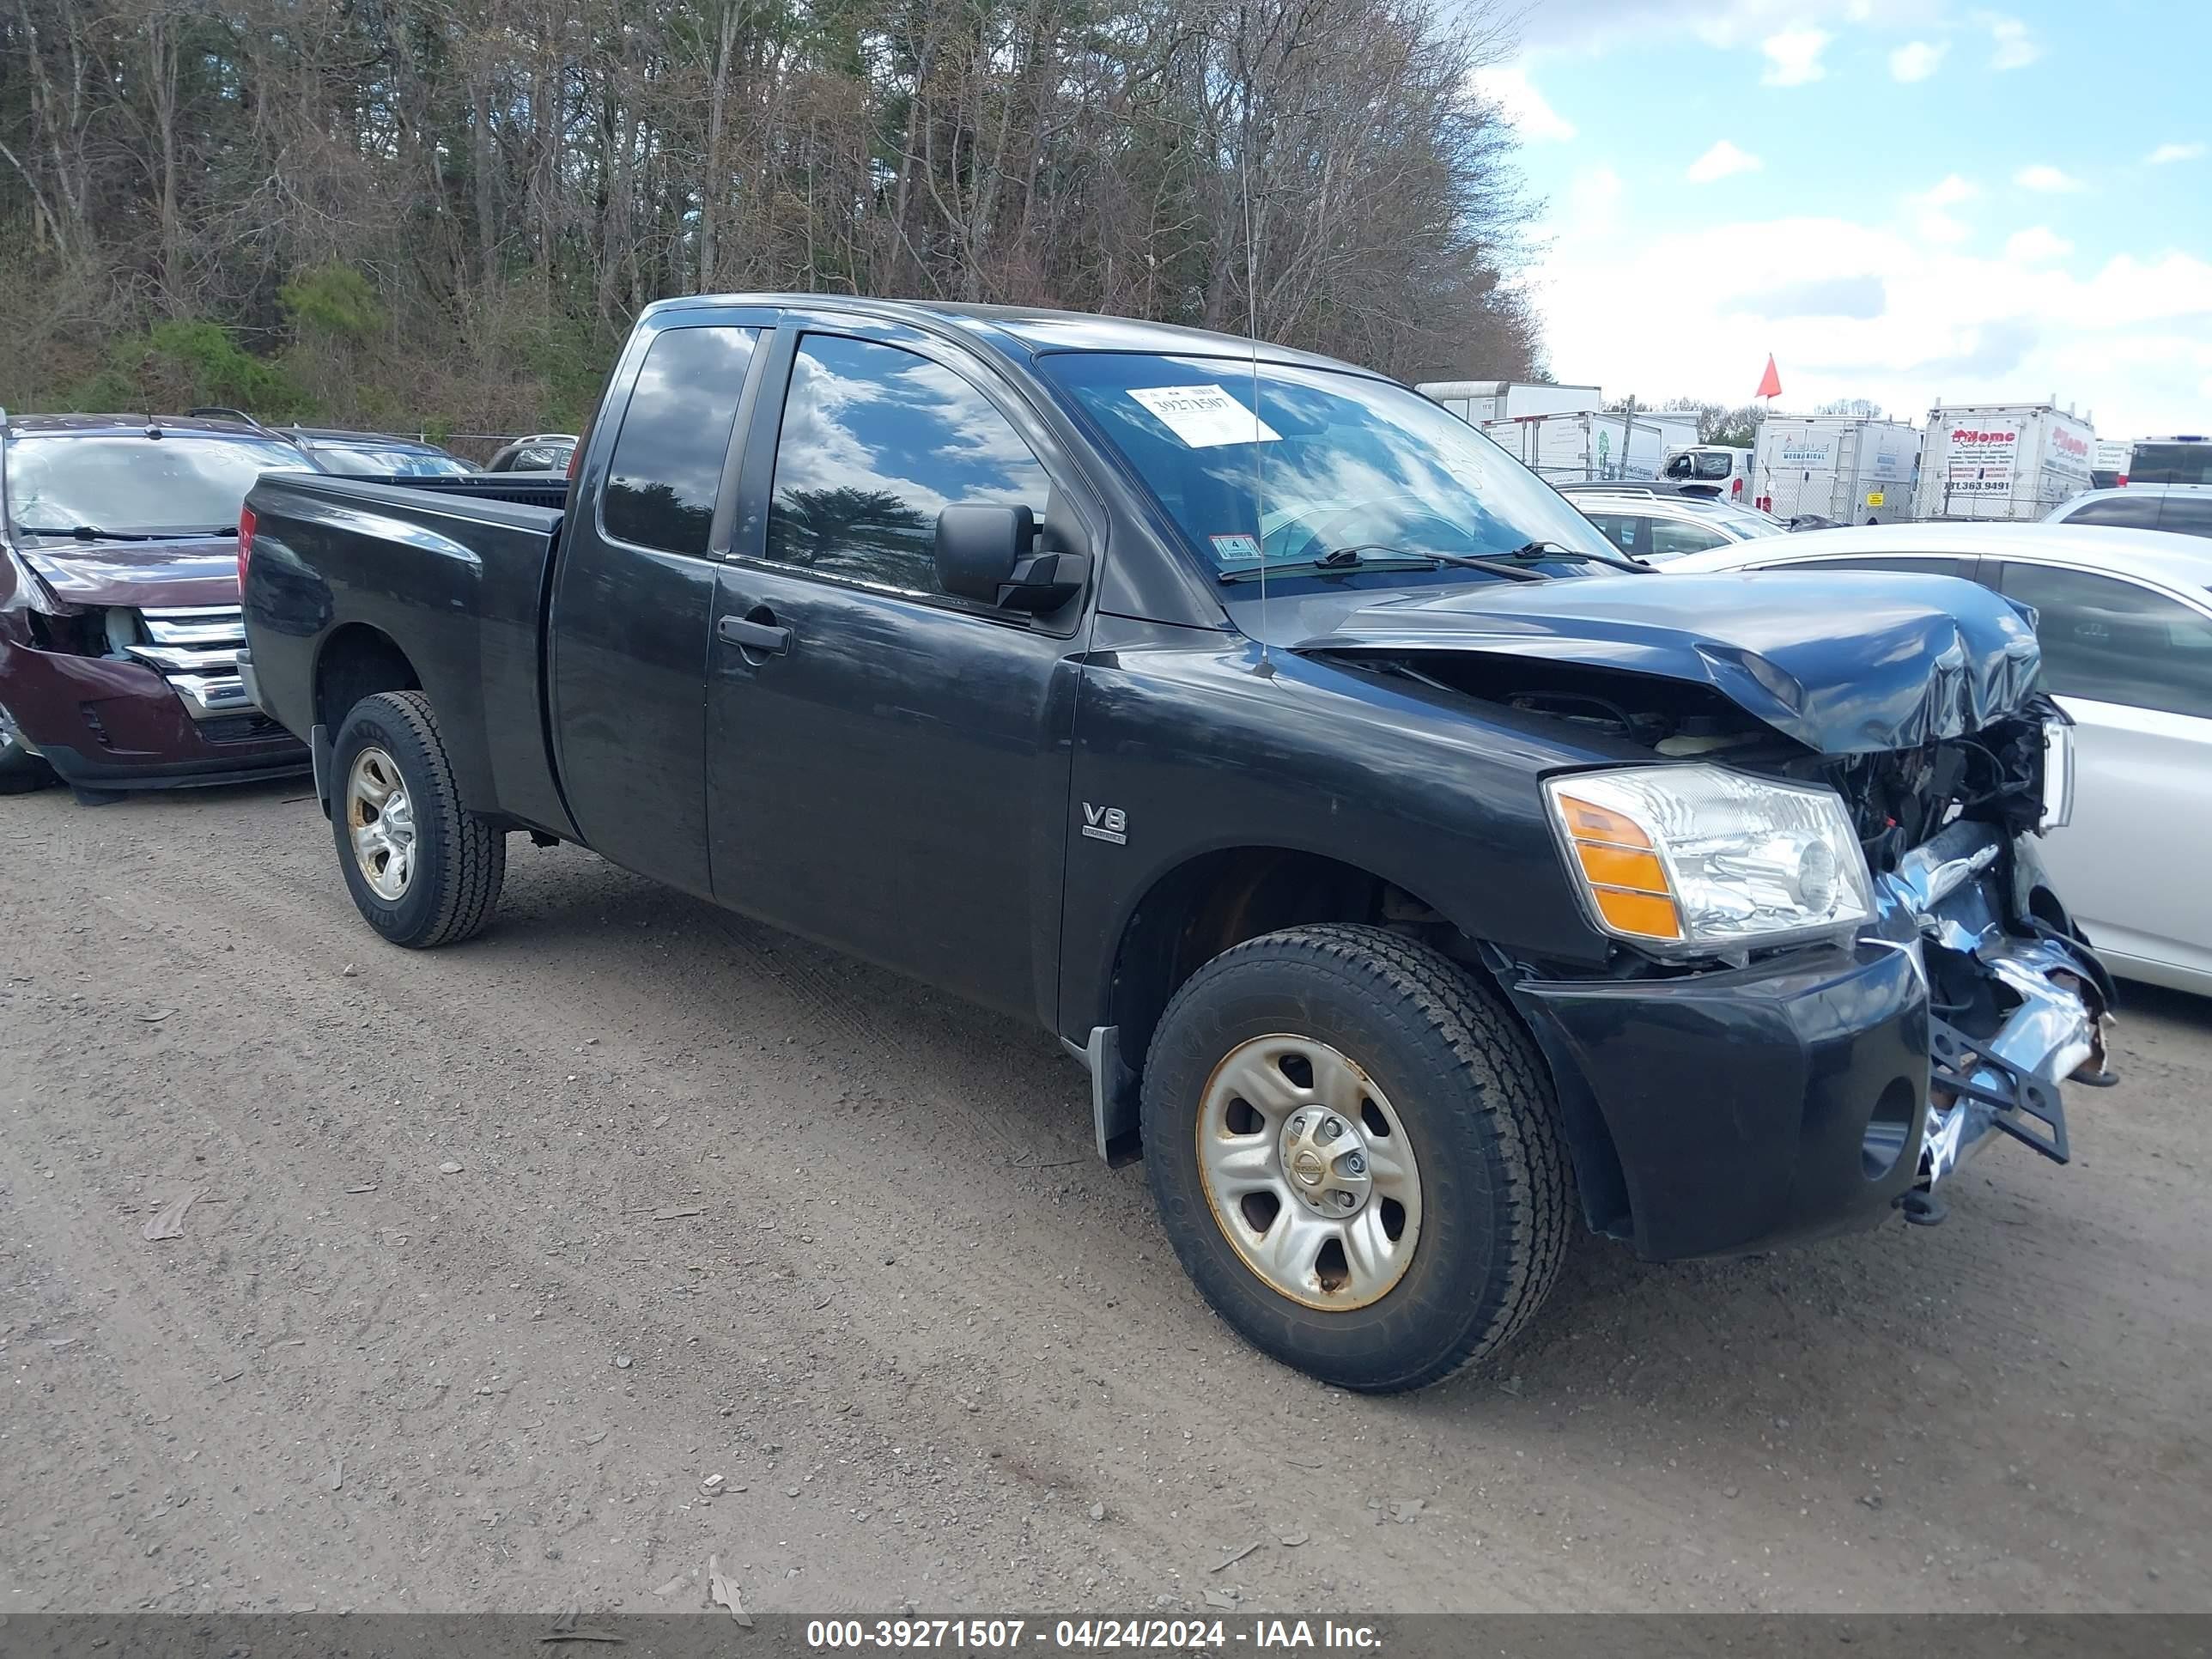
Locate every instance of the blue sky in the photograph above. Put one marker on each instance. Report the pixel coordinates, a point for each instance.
(1901, 201)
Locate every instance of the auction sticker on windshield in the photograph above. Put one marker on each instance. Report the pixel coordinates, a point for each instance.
(1235, 550)
(1204, 416)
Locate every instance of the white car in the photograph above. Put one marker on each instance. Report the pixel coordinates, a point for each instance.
(2183, 509)
(2125, 621)
(1658, 525)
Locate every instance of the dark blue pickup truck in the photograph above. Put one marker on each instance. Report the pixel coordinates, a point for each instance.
(1410, 870)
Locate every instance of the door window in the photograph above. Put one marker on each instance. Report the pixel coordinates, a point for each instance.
(2112, 641)
(2134, 512)
(1928, 566)
(667, 466)
(1619, 528)
(1670, 540)
(876, 441)
(2187, 515)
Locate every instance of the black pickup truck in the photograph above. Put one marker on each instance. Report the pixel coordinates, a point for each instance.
(1408, 869)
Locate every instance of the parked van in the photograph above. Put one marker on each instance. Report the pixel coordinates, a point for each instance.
(1719, 470)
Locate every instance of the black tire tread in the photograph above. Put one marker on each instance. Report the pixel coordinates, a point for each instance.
(475, 854)
(21, 771)
(1506, 1083)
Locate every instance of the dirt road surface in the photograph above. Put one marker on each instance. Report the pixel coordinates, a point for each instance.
(500, 1252)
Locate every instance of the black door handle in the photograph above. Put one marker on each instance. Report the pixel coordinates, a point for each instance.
(755, 636)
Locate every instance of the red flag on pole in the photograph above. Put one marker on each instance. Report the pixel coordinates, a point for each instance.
(1769, 383)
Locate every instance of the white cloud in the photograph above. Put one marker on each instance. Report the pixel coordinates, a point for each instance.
(1508, 86)
(2045, 179)
(1908, 319)
(1927, 209)
(1916, 60)
(1592, 205)
(2166, 154)
(1728, 25)
(2011, 47)
(1793, 57)
(2037, 245)
(1723, 161)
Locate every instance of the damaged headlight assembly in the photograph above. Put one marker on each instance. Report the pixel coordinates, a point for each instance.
(1699, 861)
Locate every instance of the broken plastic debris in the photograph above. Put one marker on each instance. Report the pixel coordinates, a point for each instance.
(725, 1593)
(169, 1222)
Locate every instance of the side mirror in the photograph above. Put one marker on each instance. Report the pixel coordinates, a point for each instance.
(984, 553)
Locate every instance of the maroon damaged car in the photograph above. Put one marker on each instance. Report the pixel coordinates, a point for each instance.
(120, 625)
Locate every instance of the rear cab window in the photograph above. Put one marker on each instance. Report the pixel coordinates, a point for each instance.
(666, 471)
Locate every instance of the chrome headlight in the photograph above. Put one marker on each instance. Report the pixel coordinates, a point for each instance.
(1693, 860)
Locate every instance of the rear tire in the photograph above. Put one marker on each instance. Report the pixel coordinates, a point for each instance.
(423, 871)
(20, 769)
(1386, 1079)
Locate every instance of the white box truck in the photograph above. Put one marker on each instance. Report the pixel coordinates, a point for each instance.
(2002, 461)
(1678, 426)
(1478, 401)
(1844, 468)
(1582, 447)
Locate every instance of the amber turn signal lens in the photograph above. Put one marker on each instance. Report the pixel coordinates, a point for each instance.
(1645, 914)
(1616, 866)
(1589, 822)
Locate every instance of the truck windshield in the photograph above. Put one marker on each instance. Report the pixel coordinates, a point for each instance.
(137, 485)
(1338, 461)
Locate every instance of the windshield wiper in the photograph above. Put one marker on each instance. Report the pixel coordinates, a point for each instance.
(1542, 550)
(1338, 561)
(93, 533)
(1514, 566)
(83, 532)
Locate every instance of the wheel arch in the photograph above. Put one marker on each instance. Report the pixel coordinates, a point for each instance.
(355, 660)
(1210, 901)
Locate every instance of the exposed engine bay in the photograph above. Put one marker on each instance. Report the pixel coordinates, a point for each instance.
(2017, 1003)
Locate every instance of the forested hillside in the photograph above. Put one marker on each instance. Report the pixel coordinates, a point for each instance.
(411, 213)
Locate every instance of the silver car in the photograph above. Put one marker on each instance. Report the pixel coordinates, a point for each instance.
(2125, 621)
(2183, 508)
(1657, 525)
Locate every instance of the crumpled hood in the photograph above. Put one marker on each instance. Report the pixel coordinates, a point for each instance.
(137, 574)
(1846, 662)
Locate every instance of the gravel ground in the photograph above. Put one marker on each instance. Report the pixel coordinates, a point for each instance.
(504, 1257)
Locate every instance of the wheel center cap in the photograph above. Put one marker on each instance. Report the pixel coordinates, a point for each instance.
(1325, 1155)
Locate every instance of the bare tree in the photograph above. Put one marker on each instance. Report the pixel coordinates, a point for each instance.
(515, 178)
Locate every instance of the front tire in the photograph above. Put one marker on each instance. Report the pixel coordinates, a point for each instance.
(423, 871)
(1356, 1155)
(21, 770)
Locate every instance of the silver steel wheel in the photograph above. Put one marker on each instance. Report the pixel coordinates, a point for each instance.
(380, 820)
(1310, 1174)
(10, 733)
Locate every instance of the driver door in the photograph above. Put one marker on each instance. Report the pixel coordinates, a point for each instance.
(887, 764)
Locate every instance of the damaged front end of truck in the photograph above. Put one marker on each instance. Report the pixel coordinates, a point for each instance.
(1940, 994)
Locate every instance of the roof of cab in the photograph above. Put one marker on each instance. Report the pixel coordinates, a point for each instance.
(50, 426)
(1018, 330)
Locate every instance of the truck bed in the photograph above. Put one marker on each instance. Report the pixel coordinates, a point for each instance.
(457, 568)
